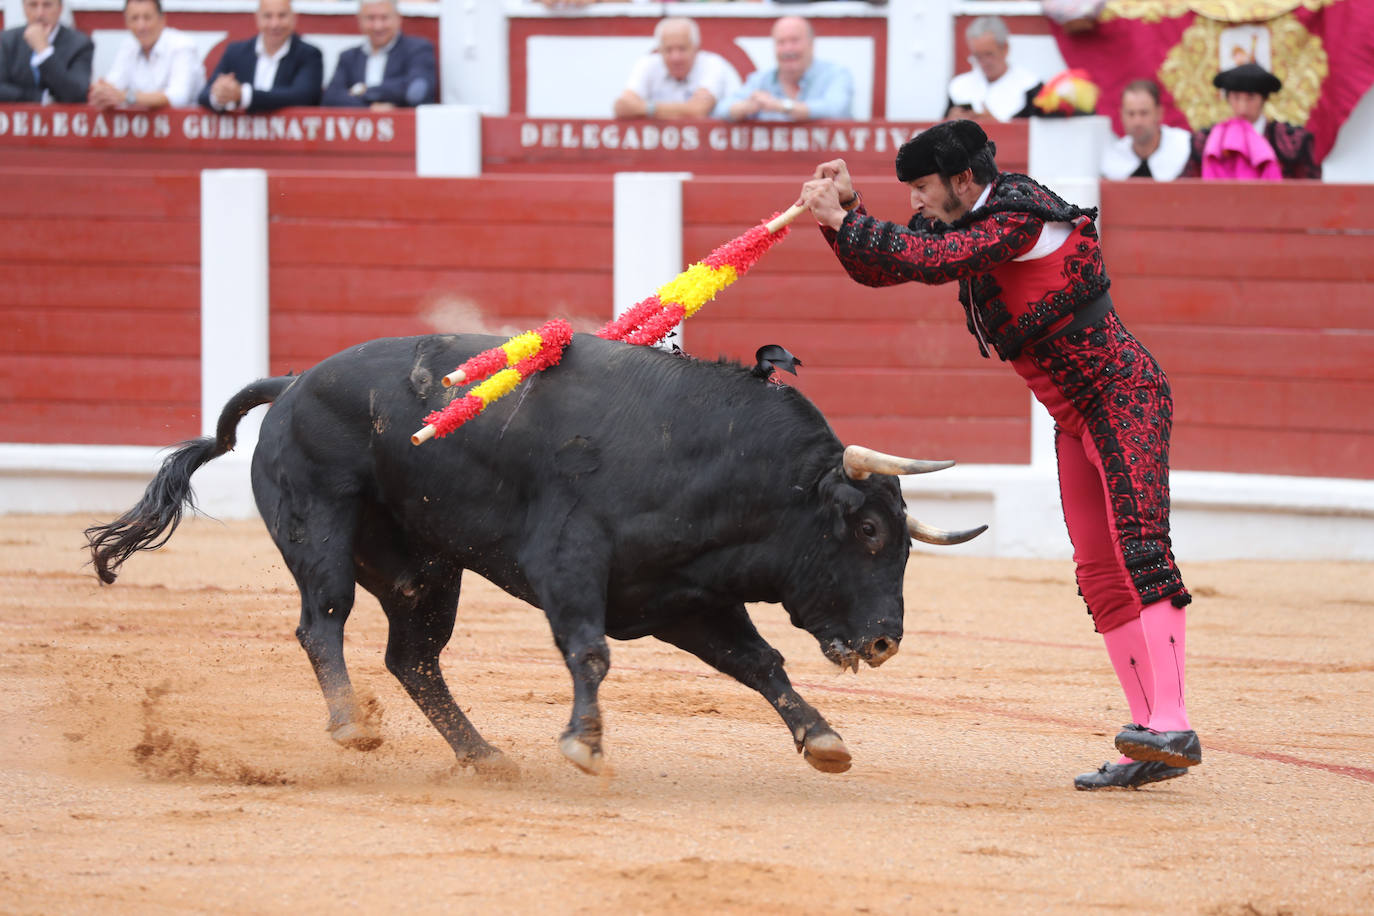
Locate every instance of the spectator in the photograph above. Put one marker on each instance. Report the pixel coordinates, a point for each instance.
(275, 70)
(390, 69)
(44, 61)
(155, 66)
(1150, 148)
(678, 80)
(1249, 145)
(798, 88)
(994, 88)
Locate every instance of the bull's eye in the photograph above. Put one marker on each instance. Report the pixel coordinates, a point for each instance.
(870, 534)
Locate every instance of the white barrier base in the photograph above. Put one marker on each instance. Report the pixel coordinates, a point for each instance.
(1215, 516)
(105, 480)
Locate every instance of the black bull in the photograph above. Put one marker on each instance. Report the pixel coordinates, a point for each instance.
(627, 492)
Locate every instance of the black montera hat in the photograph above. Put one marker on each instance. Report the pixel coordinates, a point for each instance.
(1249, 77)
(945, 149)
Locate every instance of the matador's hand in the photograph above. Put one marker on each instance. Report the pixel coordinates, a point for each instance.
(822, 197)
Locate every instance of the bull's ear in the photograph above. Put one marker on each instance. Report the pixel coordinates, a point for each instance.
(839, 493)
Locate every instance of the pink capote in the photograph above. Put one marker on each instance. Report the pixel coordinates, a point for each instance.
(1235, 150)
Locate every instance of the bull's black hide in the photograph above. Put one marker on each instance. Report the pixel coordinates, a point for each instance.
(627, 492)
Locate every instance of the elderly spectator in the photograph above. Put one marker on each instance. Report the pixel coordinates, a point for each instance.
(275, 70)
(390, 69)
(44, 61)
(155, 66)
(1150, 148)
(798, 88)
(994, 88)
(678, 80)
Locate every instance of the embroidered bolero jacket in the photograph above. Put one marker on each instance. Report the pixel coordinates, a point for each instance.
(1008, 303)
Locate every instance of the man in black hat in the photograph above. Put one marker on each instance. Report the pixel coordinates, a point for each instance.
(1247, 88)
(1034, 291)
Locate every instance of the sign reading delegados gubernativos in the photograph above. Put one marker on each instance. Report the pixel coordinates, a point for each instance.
(178, 127)
(754, 137)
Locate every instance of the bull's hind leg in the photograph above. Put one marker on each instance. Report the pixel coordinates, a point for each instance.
(420, 598)
(727, 640)
(316, 541)
(421, 625)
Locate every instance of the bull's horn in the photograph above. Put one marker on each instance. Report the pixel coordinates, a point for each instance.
(859, 462)
(923, 532)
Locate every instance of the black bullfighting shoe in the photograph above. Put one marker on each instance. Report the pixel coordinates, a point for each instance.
(1131, 775)
(1177, 749)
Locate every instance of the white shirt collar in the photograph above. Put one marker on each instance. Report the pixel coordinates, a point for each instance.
(159, 44)
(386, 48)
(275, 58)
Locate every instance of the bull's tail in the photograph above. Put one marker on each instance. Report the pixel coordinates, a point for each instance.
(149, 524)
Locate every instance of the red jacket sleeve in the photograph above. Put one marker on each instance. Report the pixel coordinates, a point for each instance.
(878, 253)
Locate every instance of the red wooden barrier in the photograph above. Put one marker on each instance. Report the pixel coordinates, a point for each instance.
(394, 256)
(1256, 299)
(102, 307)
(894, 369)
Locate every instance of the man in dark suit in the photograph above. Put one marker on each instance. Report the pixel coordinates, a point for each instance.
(390, 69)
(275, 70)
(44, 61)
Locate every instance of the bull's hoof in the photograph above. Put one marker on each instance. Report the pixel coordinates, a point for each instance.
(495, 766)
(359, 736)
(826, 752)
(583, 756)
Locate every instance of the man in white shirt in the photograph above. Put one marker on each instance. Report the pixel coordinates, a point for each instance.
(155, 66)
(1150, 148)
(994, 88)
(678, 80)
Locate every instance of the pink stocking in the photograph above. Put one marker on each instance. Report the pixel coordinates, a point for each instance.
(1163, 626)
(1131, 661)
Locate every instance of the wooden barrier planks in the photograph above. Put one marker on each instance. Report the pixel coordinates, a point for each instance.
(399, 256)
(102, 306)
(1257, 299)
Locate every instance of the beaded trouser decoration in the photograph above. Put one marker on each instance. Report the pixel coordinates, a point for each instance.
(1122, 398)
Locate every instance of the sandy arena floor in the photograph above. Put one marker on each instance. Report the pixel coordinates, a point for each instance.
(164, 752)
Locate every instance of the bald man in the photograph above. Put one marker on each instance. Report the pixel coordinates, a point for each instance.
(274, 70)
(799, 88)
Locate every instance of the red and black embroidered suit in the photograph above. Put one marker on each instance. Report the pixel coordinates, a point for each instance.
(1096, 380)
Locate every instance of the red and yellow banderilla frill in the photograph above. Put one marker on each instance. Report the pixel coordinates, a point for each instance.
(649, 321)
(507, 365)
(646, 323)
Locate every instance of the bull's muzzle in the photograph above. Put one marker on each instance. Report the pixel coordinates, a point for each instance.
(874, 652)
(879, 650)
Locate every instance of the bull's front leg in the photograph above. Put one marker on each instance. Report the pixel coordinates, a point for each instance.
(727, 640)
